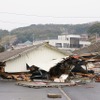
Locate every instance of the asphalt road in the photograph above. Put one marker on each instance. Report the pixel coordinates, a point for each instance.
(10, 91)
(85, 92)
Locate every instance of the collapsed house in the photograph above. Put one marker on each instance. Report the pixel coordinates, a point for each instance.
(45, 61)
(85, 61)
(92, 55)
(43, 56)
(70, 66)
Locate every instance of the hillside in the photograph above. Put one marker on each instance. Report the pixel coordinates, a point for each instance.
(47, 31)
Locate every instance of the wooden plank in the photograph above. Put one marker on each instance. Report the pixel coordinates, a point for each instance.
(52, 95)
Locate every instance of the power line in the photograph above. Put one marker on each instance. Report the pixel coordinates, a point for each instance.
(29, 15)
(22, 14)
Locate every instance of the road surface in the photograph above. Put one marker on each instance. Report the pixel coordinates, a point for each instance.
(10, 91)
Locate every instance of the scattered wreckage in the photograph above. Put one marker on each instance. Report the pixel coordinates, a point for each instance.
(66, 70)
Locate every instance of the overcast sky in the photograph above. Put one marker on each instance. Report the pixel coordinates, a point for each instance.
(19, 13)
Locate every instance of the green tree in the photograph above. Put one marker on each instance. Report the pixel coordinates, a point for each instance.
(95, 28)
(2, 49)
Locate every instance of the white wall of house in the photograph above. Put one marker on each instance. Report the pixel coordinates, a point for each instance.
(43, 57)
(16, 65)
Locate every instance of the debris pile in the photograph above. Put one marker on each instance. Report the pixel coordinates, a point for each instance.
(74, 69)
(72, 66)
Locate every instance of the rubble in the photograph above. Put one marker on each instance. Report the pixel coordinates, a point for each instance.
(72, 70)
(44, 84)
(71, 66)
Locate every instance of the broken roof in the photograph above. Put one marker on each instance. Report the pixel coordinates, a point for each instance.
(93, 49)
(90, 53)
(7, 55)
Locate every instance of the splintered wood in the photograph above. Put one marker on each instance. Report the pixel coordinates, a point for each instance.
(86, 75)
(16, 76)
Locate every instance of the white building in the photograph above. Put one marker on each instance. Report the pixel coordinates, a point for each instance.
(84, 43)
(66, 42)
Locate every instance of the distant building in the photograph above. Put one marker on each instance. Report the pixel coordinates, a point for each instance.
(67, 42)
(84, 37)
(84, 43)
(93, 38)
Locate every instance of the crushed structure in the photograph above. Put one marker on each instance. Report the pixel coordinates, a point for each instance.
(92, 55)
(14, 63)
(47, 62)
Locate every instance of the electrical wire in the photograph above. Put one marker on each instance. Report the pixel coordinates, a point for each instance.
(22, 14)
(56, 17)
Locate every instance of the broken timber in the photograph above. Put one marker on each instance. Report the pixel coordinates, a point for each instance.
(43, 84)
(52, 95)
